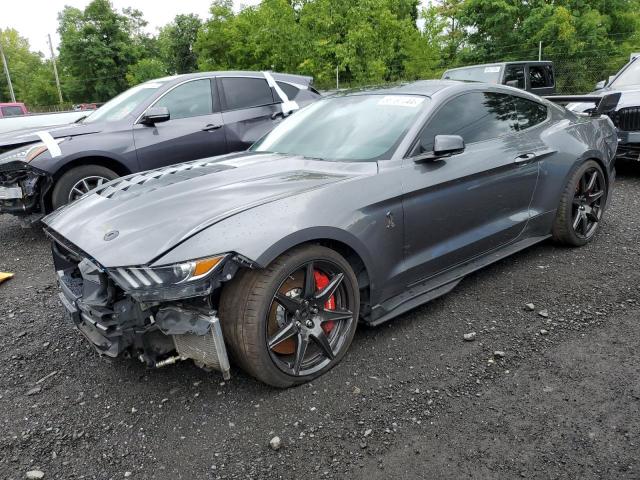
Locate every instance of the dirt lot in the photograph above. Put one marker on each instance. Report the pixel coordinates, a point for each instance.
(412, 399)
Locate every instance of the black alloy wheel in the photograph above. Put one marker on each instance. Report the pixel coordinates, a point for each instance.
(294, 320)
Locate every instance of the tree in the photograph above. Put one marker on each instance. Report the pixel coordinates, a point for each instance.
(145, 69)
(97, 47)
(176, 43)
(23, 65)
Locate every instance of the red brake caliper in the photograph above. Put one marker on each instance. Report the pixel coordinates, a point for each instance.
(322, 281)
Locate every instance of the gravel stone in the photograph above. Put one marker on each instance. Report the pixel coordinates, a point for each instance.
(469, 337)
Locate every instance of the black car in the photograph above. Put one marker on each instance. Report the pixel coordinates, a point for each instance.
(154, 124)
(533, 76)
(626, 115)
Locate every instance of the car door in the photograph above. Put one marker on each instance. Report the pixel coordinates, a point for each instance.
(459, 207)
(249, 110)
(195, 129)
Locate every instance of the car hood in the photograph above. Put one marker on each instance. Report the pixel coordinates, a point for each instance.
(630, 97)
(135, 219)
(28, 135)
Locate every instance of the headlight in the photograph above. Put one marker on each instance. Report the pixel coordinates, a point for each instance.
(181, 280)
(26, 153)
(23, 154)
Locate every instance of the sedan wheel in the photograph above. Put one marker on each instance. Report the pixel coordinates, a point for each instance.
(294, 320)
(78, 181)
(581, 206)
(85, 185)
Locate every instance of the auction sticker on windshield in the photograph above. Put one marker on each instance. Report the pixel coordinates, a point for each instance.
(400, 101)
(491, 69)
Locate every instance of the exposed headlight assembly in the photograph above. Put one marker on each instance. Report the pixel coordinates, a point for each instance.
(168, 282)
(26, 153)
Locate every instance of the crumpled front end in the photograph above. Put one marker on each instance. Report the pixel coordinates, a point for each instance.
(22, 189)
(154, 325)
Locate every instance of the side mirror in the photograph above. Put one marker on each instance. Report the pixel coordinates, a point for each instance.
(443, 146)
(155, 115)
(512, 83)
(600, 85)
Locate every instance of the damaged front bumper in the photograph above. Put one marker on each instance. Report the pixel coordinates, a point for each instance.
(116, 324)
(22, 188)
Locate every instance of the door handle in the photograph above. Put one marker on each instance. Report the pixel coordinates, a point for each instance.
(525, 157)
(211, 127)
(276, 115)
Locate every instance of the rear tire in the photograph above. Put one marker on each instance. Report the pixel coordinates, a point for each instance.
(283, 330)
(581, 206)
(77, 181)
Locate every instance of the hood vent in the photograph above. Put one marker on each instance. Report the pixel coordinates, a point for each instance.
(138, 184)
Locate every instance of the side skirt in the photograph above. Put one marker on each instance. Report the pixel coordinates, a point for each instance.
(444, 282)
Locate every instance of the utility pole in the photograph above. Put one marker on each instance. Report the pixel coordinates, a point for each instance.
(6, 72)
(540, 51)
(55, 68)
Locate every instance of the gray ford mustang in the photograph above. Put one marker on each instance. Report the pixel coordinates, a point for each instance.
(357, 207)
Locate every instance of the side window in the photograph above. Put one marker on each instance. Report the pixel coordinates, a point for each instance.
(537, 77)
(530, 113)
(515, 73)
(549, 70)
(190, 99)
(289, 90)
(475, 116)
(246, 92)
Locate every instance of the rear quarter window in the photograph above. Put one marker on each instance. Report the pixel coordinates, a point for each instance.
(530, 113)
(289, 90)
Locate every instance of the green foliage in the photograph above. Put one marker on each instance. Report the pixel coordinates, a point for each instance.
(32, 80)
(103, 51)
(145, 69)
(97, 46)
(176, 43)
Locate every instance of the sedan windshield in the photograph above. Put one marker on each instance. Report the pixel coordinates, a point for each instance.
(122, 105)
(630, 76)
(356, 127)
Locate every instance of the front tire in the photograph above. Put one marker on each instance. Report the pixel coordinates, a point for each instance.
(581, 206)
(294, 320)
(78, 181)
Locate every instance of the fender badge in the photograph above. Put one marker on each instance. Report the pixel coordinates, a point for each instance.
(111, 235)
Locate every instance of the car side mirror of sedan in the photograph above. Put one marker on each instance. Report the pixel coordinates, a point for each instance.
(443, 146)
(155, 115)
(512, 83)
(600, 85)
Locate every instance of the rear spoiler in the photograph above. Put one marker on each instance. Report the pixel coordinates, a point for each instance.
(604, 104)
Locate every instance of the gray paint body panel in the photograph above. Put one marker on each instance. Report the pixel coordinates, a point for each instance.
(444, 214)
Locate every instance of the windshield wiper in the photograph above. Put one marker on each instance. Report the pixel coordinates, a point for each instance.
(81, 119)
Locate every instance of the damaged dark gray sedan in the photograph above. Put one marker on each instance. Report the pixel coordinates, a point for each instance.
(355, 209)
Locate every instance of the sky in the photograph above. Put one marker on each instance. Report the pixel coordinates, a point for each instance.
(33, 19)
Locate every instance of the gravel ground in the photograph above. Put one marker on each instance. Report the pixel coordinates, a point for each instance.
(548, 393)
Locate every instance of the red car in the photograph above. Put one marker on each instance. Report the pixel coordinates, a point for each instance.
(12, 110)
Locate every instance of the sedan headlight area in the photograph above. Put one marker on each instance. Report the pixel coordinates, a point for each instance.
(24, 154)
(170, 282)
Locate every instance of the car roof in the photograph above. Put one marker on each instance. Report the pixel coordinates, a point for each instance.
(502, 64)
(429, 88)
(286, 77)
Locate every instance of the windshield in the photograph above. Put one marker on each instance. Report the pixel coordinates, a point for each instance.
(356, 127)
(630, 76)
(488, 74)
(122, 105)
